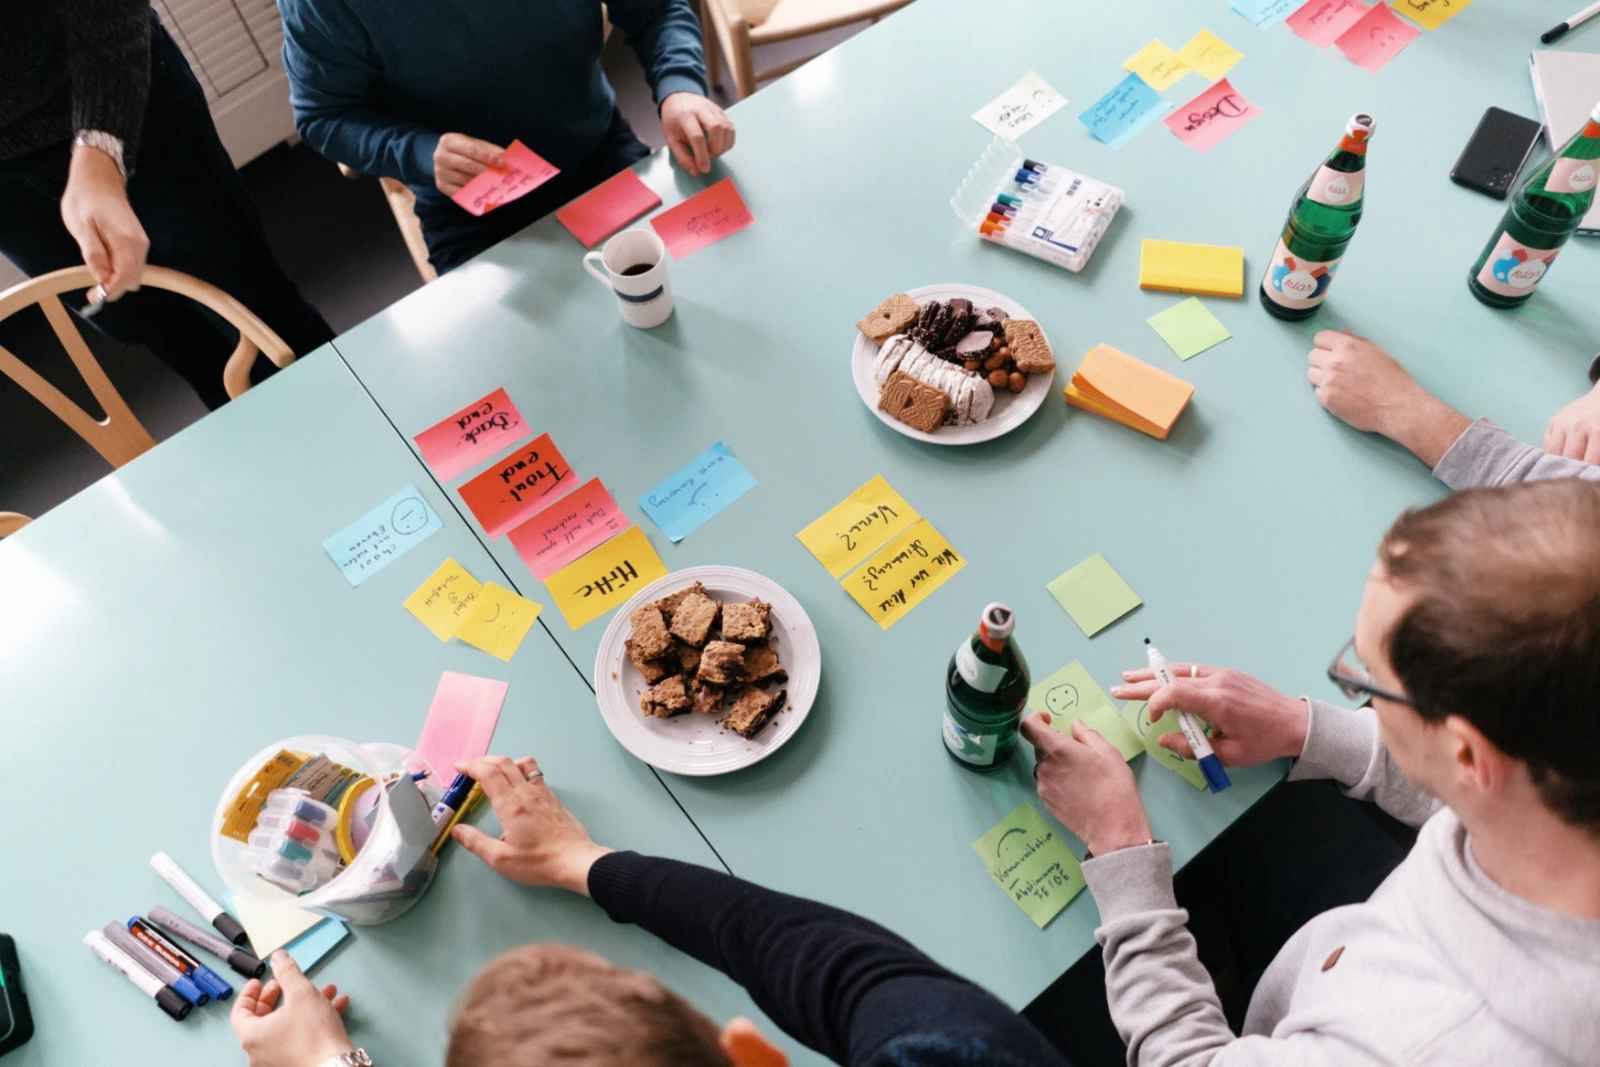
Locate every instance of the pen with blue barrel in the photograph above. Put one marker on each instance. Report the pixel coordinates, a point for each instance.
(453, 798)
(1210, 766)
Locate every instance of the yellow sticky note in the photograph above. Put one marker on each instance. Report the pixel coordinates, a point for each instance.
(594, 584)
(271, 925)
(444, 599)
(903, 573)
(1133, 713)
(1157, 65)
(1209, 55)
(1179, 267)
(498, 621)
(1430, 14)
(858, 526)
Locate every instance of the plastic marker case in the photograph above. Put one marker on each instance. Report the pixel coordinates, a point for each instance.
(1039, 209)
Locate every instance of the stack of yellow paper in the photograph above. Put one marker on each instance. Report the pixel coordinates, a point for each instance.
(1129, 391)
(1211, 270)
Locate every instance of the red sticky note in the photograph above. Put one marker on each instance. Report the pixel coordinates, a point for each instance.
(1204, 122)
(475, 432)
(525, 171)
(1376, 38)
(1322, 21)
(509, 492)
(608, 207)
(703, 219)
(568, 528)
(460, 722)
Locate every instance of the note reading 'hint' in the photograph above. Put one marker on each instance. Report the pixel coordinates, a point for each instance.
(606, 577)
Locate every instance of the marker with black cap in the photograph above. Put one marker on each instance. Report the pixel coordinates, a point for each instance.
(156, 964)
(198, 899)
(166, 998)
(240, 960)
(167, 950)
(1560, 29)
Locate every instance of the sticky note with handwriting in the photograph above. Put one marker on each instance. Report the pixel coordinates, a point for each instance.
(525, 171)
(1157, 64)
(903, 573)
(1430, 14)
(1027, 859)
(1094, 594)
(1208, 119)
(1209, 55)
(1117, 117)
(606, 577)
(1322, 21)
(691, 496)
(703, 219)
(1070, 694)
(856, 527)
(509, 492)
(1135, 715)
(575, 524)
(382, 535)
(1375, 38)
(443, 600)
(498, 621)
(1265, 13)
(1020, 108)
(460, 721)
(474, 433)
(608, 207)
(1188, 327)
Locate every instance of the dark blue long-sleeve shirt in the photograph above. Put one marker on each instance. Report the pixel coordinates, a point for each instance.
(375, 82)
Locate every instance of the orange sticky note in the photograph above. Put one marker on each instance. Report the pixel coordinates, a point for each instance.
(1127, 390)
(525, 171)
(474, 433)
(509, 492)
(703, 219)
(608, 207)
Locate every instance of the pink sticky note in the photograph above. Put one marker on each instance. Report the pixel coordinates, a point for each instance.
(1376, 38)
(525, 171)
(508, 494)
(1322, 21)
(460, 722)
(1206, 120)
(703, 219)
(608, 207)
(584, 519)
(475, 432)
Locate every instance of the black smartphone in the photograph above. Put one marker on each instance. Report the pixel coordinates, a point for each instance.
(1494, 156)
(16, 1023)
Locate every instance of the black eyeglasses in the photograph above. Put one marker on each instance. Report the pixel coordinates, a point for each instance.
(1347, 672)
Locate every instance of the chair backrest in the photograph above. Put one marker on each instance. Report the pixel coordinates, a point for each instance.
(11, 522)
(119, 437)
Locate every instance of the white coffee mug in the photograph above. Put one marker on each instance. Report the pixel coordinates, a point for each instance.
(634, 266)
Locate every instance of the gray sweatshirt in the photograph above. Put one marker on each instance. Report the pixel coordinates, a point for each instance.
(1440, 966)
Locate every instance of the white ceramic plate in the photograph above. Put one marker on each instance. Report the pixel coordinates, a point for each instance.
(1010, 409)
(695, 743)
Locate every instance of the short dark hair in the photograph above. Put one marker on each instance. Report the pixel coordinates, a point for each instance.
(1505, 631)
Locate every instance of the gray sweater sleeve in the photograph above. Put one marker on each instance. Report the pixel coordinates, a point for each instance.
(1486, 455)
(1344, 745)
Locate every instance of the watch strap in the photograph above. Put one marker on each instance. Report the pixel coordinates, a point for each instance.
(356, 1058)
(108, 143)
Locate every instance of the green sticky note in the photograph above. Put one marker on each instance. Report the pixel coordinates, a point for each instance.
(1070, 694)
(1094, 595)
(1034, 866)
(1189, 328)
(1150, 734)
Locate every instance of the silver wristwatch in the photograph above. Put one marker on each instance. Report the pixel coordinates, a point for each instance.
(358, 1058)
(110, 144)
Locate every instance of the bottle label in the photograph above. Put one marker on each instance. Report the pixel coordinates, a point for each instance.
(1335, 187)
(1297, 283)
(1571, 176)
(1513, 268)
(976, 749)
(984, 677)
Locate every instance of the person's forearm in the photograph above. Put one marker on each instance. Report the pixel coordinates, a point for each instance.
(108, 65)
(665, 34)
(1428, 428)
(371, 143)
(1345, 746)
(1484, 455)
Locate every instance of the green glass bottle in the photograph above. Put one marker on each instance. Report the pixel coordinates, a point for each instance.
(1544, 213)
(1319, 227)
(986, 689)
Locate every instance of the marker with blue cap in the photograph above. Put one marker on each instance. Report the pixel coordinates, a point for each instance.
(1210, 766)
(197, 972)
(453, 798)
(156, 964)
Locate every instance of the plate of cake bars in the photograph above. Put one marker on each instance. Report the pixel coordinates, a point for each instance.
(952, 364)
(707, 670)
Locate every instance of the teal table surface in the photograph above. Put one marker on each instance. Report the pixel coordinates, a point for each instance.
(159, 629)
(1247, 533)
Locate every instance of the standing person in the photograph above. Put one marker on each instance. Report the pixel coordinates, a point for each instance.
(109, 157)
(431, 94)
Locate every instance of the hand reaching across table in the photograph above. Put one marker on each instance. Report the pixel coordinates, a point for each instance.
(1574, 431)
(540, 842)
(305, 1030)
(697, 131)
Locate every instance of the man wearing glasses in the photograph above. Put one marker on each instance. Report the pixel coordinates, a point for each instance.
(1477, 651)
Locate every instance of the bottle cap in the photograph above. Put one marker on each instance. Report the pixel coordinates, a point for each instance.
(998, 621)
(1361, 126)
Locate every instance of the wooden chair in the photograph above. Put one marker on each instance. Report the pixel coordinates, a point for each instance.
(11, 522)
(402, 204)
(728, 30)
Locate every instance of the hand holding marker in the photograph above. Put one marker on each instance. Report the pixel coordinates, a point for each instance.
(1210, 766)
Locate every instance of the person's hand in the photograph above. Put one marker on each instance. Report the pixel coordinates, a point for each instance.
(1367, 388)
(304, 1031)
(697, 130)
(1574, 432)
(457, 159)
(95, 209)
(1251, 722)
(1087, 785)
(540, 842)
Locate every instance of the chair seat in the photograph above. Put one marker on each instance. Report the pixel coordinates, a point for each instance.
(798, 18)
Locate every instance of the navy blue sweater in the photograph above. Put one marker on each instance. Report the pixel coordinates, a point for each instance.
(842, 985)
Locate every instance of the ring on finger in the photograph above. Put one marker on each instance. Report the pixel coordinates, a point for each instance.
(1194, 670)
(535, 773)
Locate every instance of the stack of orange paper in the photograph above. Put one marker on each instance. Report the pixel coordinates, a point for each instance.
(1129, 391)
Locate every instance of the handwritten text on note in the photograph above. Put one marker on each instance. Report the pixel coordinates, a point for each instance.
(525, 171)
(1322, 21)
(606, 577)
(565, 530)
(1129, 107)
(513, 489)
(691, 496)
(858, 526)
(703, 219)
(476, 432)
(1028, 860)
(379, 537)
(903, 573)
(1021, 107)
(1208, 119)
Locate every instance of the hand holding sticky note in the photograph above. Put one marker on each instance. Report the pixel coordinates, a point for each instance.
(1031, 864)
(525, 171)
(1071, 694)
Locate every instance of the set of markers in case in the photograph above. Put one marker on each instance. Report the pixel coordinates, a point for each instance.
(293, 844)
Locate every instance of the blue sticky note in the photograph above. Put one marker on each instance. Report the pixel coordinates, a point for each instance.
(382, 535)
(308, 949)
(1266, 13)
(681, 503)
(1119, 115)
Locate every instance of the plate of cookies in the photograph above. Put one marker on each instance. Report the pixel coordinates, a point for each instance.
(952, 364)
(707, 670)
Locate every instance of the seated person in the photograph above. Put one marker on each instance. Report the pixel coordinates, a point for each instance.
(432, 94)
(1479, 633)
(844, 986)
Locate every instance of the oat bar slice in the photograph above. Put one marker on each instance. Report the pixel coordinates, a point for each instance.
(696, 614)
(721, 663)
(707, 698)
(651, 670)
(746, 622)
(666, 699)
(688, 656)
(668, 605)
(752, 709)
(650, 634)
(761, 665)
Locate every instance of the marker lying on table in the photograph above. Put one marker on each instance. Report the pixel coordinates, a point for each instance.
(177, 926)
(156, 964)
(202, 975)
(189, 890)
(164, 995)
(1560, 29)
(1210, 766)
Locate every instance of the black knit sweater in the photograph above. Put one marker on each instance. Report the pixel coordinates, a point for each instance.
(71, 65)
